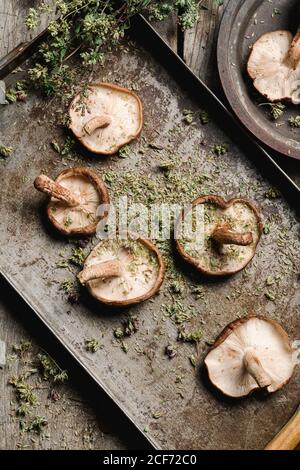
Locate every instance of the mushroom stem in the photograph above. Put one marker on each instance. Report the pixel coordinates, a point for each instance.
(255, 368)
(104, 270)
(224, 236)
(294, 51)
(48, 186)
(98, 122)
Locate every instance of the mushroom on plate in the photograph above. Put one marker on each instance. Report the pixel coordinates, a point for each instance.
(251, 353)
(123, 272)
(106, 117)
(230, 234)
(274, 65)
(75, 196)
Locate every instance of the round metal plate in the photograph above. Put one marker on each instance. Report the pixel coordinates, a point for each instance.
(242, 24)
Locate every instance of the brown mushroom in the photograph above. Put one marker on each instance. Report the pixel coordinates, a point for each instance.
(75, 196)
(274, 65)
(251, 353)
(232, 230)
(123, 272)
(106, 117)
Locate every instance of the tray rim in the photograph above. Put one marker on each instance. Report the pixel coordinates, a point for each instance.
(139, 21)
(233, 97)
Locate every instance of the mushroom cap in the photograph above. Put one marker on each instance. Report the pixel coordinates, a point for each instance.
(86, 184)
(242, 216)
(142, 271)
(123, 108)
(269, 341)
(270, 68)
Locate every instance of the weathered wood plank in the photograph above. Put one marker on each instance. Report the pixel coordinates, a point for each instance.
(200, 42)
(168, 30)
(12, 27)
(72, 423)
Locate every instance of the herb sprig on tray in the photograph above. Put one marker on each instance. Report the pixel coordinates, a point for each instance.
(91, 28)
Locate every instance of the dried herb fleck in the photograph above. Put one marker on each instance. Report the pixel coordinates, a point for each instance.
(220, 149)
(92, 345)
(294, 121)
(171, 351)
(78, 257)
(6, 151)
(191, 337)
(51, 370)
(276, 109)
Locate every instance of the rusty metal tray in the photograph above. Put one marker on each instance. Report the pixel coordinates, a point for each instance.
(243, 22)
(170, 402)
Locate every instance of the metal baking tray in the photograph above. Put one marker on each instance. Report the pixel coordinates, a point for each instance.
(243, 22)
(170, 402)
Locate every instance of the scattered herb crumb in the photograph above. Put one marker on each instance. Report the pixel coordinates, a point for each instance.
(119, 333)
(204, 117)
(176, 287)
(276, 109)
(171, 351)
(22, 349)
(276, 12)
(188, 116)
(273, 193)
(192, 360)
(156, 414)
(18, 92)
(55, 146)
(220, 149)
(92, 345)
(51, 370)
(166, 166)
(24, 391)
(68, 221)
(37, 424)
(78, 257)
(198, 292)
(294, 121)
(270, 296)
(124, 152)
(191, 337)
(6, 151)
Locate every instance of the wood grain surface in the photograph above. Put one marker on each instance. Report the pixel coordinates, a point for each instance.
(12, 23)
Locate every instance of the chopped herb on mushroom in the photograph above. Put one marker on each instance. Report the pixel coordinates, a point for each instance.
(106, 118)
(123, 272)
(231, 232)
(74, 200)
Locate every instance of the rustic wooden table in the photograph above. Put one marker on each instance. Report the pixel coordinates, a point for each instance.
(81, 417)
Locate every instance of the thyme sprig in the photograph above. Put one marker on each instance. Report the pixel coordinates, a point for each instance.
(91, 28)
